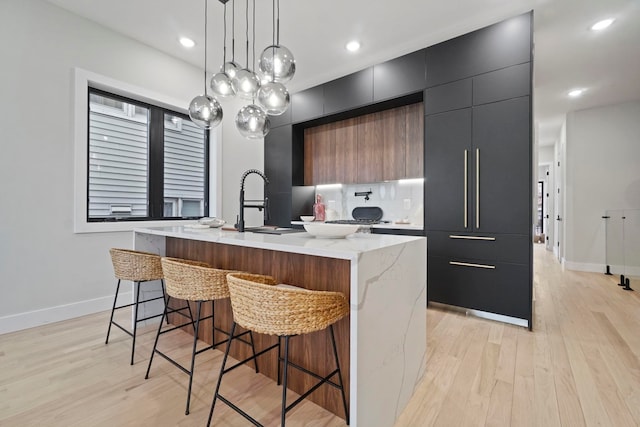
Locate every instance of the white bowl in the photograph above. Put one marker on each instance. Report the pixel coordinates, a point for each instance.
(211, 222)
(330, 231)
(307, 218)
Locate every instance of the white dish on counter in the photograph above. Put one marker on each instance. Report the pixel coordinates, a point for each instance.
(330, 231)
(211, 222)
(307, 218)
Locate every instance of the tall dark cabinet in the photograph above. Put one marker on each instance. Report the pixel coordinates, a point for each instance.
(478, 202)
(478, 173)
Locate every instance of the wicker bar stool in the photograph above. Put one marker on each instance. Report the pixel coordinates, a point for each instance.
(198, 282)
(259, 304)
(138, 267)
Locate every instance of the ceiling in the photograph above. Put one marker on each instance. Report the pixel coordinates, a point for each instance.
(567, 54)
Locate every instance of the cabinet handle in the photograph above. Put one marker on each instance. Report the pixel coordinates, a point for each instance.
(466, 172)
(477, 188)
(455, 236)
(468, 264)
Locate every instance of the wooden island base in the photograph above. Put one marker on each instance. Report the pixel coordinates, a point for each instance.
(307, 271)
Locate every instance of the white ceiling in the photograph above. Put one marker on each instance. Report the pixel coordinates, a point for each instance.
(567, 53)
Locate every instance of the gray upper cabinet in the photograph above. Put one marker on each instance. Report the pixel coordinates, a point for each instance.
(282, 119)
(497, 46)
(307, 104)
(348, 92)
(510, 82)
(447, 97)
(399, 76)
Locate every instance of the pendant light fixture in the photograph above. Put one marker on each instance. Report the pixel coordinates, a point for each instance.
(204, 110)
(276, 61)
(246, 83)
(252, 121)
(221, 81)
(273, 96)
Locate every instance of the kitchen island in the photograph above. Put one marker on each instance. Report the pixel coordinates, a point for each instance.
(381, 345)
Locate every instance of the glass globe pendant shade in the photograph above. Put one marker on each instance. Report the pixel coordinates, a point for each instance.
(274, 98)
(205, 111)
(246, 84)
(277, 63)
(230, 68)
(221, 85)
(252, 122)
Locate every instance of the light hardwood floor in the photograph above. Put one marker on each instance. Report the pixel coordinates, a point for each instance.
(579, 367)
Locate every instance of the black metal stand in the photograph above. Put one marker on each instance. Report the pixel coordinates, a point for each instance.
(135, 305)
(627, 285)
(286, 364)
(621, 280)
(608, 272)
(195, 324)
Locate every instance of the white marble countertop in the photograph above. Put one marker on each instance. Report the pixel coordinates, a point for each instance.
(389, 225)
(347, 248)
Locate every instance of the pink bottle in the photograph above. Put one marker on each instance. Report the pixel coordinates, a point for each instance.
(318, 209)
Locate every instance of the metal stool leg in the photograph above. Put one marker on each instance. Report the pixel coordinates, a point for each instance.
(285, 369)
(224, 362)
(193, 353)
(155, 344)
(253, 349)
(135, 320)
(335, 355)
(279, 380)
(113, 309)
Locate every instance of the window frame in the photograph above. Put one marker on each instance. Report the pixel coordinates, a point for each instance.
(84, 79)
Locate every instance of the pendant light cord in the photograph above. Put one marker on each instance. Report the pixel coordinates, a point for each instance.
(253, 39)
(246, 31)
(205, 46)
(278, 25)
(233, 31)
(224, 37)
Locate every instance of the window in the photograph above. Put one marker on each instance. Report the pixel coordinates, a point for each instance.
(145, 162)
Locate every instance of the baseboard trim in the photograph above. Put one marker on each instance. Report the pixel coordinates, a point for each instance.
(31, 319)
(484, 314)
(584, 266)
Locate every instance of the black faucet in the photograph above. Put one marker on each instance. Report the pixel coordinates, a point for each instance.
(258, 204)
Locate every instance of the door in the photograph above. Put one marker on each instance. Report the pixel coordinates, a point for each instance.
(447, 154)
(501, 184)
(557, 223)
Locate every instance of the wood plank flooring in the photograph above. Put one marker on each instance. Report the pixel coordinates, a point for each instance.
(579, 367)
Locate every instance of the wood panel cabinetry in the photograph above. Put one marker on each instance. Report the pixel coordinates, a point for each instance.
(382, 146)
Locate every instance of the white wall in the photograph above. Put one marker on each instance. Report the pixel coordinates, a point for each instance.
(46, 269)
(602, 172)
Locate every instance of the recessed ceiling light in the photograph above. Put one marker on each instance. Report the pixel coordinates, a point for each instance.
(576, 93)
(601, 25)
(187, 42)
(353, 46)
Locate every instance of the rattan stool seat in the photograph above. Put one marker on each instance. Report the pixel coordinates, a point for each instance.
(197, 282)
(138, 267)
(260, 304)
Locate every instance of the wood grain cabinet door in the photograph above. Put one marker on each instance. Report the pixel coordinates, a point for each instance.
(346, 151)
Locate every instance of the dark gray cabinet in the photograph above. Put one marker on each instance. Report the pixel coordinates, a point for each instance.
(491, 48)
(399, 76)
(349, 92)
(501, 168)
(494, 287)
(478, 195)
(478, 168)
(446, 160)
(307, 104)
(278, 159)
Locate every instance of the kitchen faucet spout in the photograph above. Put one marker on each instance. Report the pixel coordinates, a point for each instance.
(263, 204)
